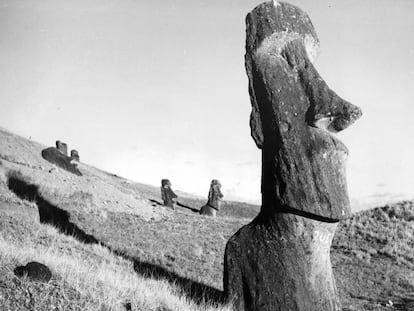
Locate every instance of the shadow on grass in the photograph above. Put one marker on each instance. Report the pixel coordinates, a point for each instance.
(197, 292)
(51, 214)
(194, 210)
(48, 212)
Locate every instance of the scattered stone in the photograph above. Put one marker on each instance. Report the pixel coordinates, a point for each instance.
(167, 195)
(74, 155)
(34, 271)
(281, 260)
(62, 147)
(214, 198)
(54, 156)
(128, 306)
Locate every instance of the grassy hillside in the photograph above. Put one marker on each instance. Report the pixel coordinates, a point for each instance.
(112, 246)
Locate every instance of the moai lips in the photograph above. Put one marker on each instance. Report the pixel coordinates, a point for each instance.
(293, 114)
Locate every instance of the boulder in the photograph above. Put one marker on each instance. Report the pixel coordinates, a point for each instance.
(62, 147)
(54, 156)
(34, 271)
(278, 261)
(74, 155)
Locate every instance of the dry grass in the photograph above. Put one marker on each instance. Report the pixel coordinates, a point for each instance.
(90, 282)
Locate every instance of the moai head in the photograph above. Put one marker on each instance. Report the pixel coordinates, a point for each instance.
(62, 147)
(215, 188)
(215, 184)
(165, 183)
(74, 155)
(294, 114)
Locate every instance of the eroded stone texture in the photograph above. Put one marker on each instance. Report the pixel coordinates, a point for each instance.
(74, 155)
(279, 261)
(214, 198)
(54, 156)
(167, 194)
(62, 147)
(293, 113)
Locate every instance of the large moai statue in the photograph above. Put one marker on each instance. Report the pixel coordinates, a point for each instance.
(281, 260)
(214, 198)
(62, 147)
(167, 194)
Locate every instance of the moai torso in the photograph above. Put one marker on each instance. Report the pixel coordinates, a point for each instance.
(215, 195)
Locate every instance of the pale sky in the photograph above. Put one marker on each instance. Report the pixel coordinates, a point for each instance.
(157, 89)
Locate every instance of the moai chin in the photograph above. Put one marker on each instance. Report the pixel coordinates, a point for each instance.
(62, 147)
(167, 194)
(214, 197)
(281, 261)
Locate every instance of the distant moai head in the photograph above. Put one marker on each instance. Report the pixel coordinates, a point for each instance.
(74, 155)
(62, 147)
(165, 183)
(293, 115)
(215, 183)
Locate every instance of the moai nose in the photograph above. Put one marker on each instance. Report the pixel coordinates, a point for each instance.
(330, 112)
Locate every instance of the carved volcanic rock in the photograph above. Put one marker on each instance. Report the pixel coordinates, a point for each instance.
(281, 263)
(74, 155)
(281, 260)
(293, 111)
(56, 157)
(62, 147)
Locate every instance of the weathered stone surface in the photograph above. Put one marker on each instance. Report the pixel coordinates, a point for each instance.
(62, 147)
(74, 155)
(54, 156)
(293, 113)
(34, 271)
(280, 261)
(214, 197)
(167, 194)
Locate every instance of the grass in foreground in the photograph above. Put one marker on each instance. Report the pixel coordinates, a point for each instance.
(85, 278)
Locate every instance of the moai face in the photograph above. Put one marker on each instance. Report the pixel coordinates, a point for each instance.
(294, 114)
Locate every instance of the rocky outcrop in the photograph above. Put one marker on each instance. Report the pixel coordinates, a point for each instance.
(62, 147)
(214, 198)
(54, 156)
(74, 155)
(167, 194)
(34, 271)
(279, 261)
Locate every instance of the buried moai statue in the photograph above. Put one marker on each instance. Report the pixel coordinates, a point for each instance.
(214, 197)
(62, 147)
(74, 155)
(167, 195)
(281, 260)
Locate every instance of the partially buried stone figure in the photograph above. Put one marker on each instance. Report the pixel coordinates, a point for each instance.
(281, 261)
(214, 197)
(62, 147)
(74, 155)
(167, 195)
